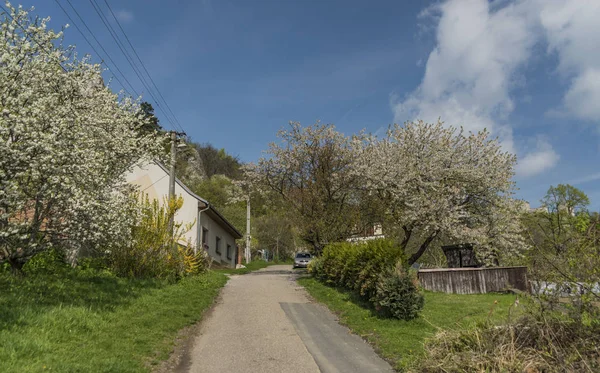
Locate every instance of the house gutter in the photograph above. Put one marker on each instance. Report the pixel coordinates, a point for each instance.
(200, 226)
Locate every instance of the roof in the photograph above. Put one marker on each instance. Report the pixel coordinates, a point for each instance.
(216, 214)
(182, 185)
(236, 234)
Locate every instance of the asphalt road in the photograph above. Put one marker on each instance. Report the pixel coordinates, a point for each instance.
(264, 322)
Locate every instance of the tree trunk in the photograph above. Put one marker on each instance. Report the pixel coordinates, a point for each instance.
(422, 249)
(406, 239)
(16, 266)
(317, 248)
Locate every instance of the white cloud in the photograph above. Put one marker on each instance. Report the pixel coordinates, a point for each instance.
(572, 30)
(586, 179)
(535, 162)
(124, 15)
(583, 97)
(482, 46)
(470, 72)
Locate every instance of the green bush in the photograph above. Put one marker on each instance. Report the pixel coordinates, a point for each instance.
(375, 258)
(397, 294)
(51, 261)
(315, 268)
(97, 262)
(365, 268)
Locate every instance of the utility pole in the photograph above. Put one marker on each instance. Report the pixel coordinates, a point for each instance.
(248, 229)
(172, 176)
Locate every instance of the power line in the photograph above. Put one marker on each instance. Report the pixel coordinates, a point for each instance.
(115, 37)
(142, 63)
(133, 61)
(129, 59)
(49, 53)
(101, 46)
(58, 62)
(149, 186)
(94, 49)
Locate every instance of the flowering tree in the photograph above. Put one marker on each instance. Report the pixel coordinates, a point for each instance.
(66, 141)
(435, 181)
(312, 170)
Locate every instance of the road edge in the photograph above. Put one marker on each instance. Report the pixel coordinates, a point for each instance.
(179, 360)
(375, 348)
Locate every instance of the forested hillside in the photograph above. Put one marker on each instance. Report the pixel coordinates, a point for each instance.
(210, 172)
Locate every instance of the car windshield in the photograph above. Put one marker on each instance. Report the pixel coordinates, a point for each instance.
(303, 255)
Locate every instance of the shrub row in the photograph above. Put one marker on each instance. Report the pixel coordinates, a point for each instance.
(376, 271)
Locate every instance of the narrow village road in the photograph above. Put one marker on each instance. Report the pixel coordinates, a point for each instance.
(264, 322)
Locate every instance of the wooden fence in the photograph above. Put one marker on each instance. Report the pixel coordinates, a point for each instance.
(474, 280)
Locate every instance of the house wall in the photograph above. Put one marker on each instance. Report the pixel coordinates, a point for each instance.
(215, 230)
(154, 182)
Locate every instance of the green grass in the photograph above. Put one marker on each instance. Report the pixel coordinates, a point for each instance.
(93, 321)
(252, 266)
(401, 342)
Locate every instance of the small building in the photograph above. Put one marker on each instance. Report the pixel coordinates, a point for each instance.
(460, 256)
(371, 233)
(209, 229)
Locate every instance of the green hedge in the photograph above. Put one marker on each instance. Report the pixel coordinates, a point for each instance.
(375, 270)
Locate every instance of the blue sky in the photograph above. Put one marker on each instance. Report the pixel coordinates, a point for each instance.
(236, 71)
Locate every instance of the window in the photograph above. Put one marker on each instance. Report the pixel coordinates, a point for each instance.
(228, 251)
(205, 238)
(303, 256)
(204, 235)
(218, 245)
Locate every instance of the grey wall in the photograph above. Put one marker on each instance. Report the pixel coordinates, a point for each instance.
(214, 231)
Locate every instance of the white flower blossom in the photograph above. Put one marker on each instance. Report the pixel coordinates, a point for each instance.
(66, 141)
(437, 181)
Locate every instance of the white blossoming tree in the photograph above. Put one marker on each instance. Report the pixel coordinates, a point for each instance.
(65, 142)
(435, 181)
(311, 168)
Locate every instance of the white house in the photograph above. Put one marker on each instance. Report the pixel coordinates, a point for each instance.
(209, 228)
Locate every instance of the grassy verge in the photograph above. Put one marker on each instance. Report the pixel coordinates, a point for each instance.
(401, 342)
(252, 266)
(92, 321)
